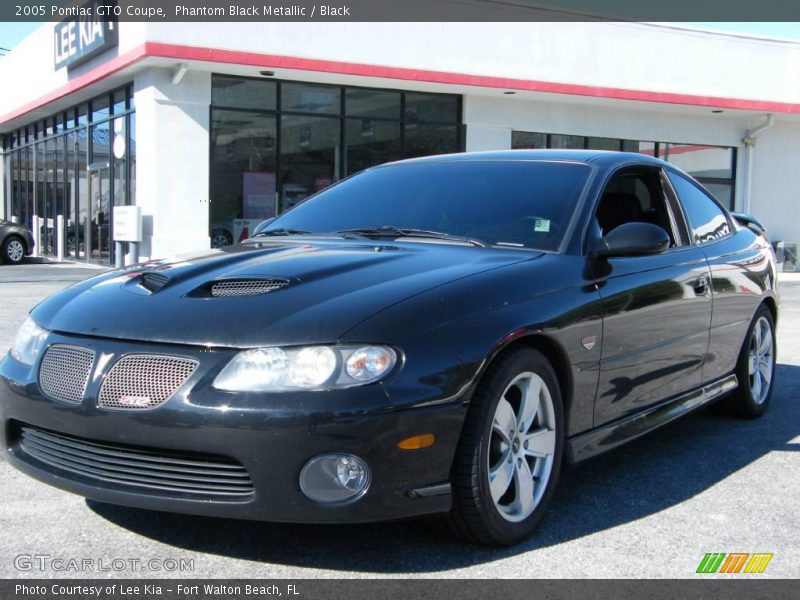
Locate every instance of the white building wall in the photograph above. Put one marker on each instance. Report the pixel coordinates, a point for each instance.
(616, 55)
(594, 119)
(172, 160)
(775, 196)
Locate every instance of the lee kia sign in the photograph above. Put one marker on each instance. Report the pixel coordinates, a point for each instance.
(82, 37)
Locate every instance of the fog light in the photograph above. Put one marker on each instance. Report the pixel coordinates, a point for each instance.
(333, 478)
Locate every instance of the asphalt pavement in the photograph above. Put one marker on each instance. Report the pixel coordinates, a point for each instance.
(652, 508)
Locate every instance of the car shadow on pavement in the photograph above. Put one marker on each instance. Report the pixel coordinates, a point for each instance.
(646, 476)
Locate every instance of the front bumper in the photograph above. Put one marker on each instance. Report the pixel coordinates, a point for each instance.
(271, 435)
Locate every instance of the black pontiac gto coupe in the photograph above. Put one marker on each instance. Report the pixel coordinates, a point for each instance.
(430, 336)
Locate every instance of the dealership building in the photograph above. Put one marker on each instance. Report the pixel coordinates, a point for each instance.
(210, 128)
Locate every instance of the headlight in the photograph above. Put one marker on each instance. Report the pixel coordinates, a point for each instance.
(29, 342)
(309, 368)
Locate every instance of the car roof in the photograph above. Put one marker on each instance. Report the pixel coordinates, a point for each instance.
(604, 158)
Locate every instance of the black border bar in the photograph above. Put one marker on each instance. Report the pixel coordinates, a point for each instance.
(751, 587)
(403, 11)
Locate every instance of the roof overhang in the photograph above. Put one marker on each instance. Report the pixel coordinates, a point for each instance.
(121, 69)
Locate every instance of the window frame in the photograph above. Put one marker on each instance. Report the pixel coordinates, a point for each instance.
(279, 111)
(679, 234)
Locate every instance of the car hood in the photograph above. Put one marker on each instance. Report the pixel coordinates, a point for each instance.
(330, 287)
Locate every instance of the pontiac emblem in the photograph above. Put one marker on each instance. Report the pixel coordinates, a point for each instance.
(135, 401)
(589, 341)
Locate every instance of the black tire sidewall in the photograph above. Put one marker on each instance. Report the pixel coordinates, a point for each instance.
(503, 531)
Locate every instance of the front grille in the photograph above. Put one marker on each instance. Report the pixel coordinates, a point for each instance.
(246, 287)
(138, 381)
(161, 471)
(64, 372)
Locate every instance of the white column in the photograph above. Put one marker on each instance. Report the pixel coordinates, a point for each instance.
(37, 237)
(487, 137)
(60, 237)
(172, 157)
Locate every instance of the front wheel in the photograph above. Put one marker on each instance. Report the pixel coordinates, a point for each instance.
(509, 455)
(13, 250)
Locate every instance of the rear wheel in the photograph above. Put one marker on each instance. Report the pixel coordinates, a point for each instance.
(755, 369)
(509, 455)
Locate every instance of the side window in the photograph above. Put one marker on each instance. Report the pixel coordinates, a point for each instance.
(706, 219)
(635, 195)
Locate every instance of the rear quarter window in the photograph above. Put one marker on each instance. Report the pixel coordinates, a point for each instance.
(707, 220)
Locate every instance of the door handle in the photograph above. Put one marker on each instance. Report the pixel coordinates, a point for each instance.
(701, 285)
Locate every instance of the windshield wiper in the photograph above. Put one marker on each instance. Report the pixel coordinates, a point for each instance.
(391, 231)
(280, 232)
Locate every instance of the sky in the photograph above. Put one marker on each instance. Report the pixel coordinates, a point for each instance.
(13, 33)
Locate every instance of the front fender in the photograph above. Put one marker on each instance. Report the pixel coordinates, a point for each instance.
(450, 334)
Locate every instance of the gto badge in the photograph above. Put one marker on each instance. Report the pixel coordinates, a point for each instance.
(135, 401)
(589, 341)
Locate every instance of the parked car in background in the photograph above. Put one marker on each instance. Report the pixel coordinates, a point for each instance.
(16, 242)
(221, 235)
(436, 335)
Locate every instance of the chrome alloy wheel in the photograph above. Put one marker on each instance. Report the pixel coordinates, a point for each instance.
(522, 447)
(15, 251)
(761, 360)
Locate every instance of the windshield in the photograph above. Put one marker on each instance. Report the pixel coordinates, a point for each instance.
(509, 203)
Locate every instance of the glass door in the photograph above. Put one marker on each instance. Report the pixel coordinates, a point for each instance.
(96, 228)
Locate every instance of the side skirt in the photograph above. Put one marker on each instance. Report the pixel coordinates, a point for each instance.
(593, 442)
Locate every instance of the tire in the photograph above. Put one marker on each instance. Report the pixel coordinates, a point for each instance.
(752, 397)
(13, 250)
(501, 487)
(220, 238)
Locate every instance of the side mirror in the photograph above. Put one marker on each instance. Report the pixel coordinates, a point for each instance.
(633, 239)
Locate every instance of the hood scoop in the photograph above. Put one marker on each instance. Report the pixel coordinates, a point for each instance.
(226, 288)
(153, 281)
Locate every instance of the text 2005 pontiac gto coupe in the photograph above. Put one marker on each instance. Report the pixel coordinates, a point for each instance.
(430, 336)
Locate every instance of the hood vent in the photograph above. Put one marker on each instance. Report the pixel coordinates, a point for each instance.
(153, 280)
(245, 287)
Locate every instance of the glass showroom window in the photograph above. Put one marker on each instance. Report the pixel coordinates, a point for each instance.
(310, 156)
(713, 166)
(243, 171)
(274, 143)
(76, 164)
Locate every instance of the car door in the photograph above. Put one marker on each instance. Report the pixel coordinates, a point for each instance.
(741, 271)
(656, 308)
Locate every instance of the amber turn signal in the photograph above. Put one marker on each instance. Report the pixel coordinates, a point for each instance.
(417, 442)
